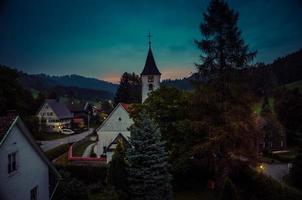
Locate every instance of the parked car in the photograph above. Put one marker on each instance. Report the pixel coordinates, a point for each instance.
(67, 131)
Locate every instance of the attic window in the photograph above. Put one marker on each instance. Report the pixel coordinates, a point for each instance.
(120, 119)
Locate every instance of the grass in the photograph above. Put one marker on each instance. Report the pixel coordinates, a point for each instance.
(62, 160)
(293, 85)
(56, 152)
(80, 148)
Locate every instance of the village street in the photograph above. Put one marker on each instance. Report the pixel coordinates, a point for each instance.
(47, 145)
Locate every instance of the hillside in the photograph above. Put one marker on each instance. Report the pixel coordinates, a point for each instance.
(43, 81)
(288, 69)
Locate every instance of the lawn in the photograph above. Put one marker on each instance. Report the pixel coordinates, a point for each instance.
(80, 148)
(293, 85)
(56, 152)
(62, 160)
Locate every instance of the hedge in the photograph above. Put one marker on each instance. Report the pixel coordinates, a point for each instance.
(86, 173)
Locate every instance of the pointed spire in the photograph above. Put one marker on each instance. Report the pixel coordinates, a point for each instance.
(150, 65)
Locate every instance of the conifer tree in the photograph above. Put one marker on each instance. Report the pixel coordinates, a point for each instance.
(222, 47)
(129, 90)
(117, 174)
(149, 177)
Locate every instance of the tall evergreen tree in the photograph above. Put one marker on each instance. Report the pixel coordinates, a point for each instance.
(149, 177)
(129, 90)
(117, 174)
(222, 47)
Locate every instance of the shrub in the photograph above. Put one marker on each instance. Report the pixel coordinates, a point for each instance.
(86, 174)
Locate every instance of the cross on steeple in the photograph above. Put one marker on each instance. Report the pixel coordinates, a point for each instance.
(149, 36)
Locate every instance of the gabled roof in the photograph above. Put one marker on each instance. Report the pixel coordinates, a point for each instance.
(10, 122)
(150, 65)
(126, 106)
(61, 111)
(123, 105)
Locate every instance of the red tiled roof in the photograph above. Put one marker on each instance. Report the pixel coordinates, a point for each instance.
(126, 106)
(5, 123)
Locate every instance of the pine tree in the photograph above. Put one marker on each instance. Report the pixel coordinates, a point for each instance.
(222, 47)
(117, 174)
(129, 90)
(149, 178)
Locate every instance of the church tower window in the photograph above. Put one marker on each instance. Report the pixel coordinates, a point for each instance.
(150, 87)
(150, 79)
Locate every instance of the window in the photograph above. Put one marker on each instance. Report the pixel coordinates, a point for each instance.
(34, 193)
(150, 78)
(12, 162)
(150, 87)
(120, 119)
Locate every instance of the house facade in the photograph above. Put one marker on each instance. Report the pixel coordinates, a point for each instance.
(116, 125)
(24, 169)
(55, 115)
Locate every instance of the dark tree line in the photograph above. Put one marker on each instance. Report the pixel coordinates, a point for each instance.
(129, 90)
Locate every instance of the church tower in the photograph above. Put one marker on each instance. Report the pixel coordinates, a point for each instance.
(150, 75)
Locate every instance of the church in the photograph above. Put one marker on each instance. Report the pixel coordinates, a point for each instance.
(116, 125)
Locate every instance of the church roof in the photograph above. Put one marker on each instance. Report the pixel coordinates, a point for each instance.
(150, 65)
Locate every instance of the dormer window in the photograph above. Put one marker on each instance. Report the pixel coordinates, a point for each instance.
(150, 79)
(150, 87)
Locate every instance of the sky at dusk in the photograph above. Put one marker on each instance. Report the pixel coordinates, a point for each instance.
(104, 38)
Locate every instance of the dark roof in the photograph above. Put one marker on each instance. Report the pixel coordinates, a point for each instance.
(78, 107)
(126, 106)
(60, 109)
(150, 65)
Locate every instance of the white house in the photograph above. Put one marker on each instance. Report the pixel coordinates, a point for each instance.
(115, 126)
(24, 169)
(55, 114)
(118, 122)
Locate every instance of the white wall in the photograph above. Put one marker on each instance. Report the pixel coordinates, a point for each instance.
(31, 171)
(114, 124)
(44, 109)
(145, 85)
(112, 127)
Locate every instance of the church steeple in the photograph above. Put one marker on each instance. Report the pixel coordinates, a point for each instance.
(150, 75)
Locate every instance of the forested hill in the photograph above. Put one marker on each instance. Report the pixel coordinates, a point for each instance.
(288, 69)
(42, 81)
